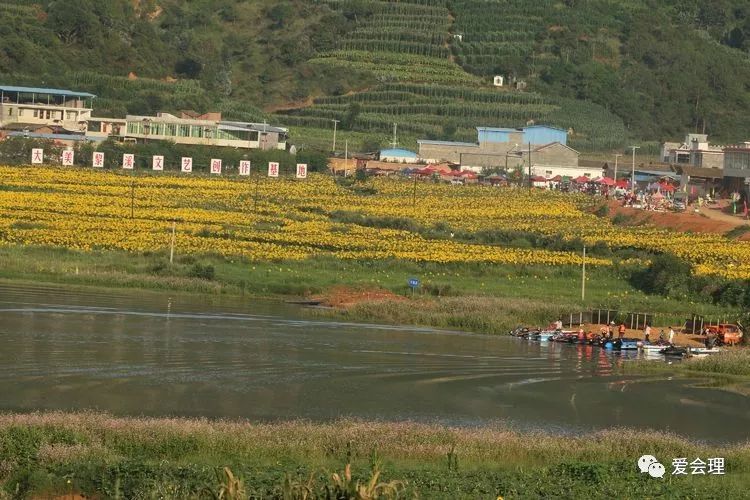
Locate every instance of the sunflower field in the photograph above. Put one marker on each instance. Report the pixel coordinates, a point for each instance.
(264, 219)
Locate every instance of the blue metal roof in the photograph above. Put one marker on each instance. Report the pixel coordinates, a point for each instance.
(61, 137)
(447, 143)
(38, 90)
(405, 153)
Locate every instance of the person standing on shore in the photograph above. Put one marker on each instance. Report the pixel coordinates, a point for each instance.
(621, 330)
(671, 335)
(558, 324)
(647, 332)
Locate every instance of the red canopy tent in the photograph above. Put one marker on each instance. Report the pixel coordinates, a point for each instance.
(581, 180)
(468, 174)
(538, 178)
(622, 183)
(557, 178)
(607, 181)
(425, 171)
(668, 188)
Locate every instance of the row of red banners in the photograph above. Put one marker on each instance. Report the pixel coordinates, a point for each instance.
(157, 163)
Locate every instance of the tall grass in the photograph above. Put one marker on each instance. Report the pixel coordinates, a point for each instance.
(107, 456)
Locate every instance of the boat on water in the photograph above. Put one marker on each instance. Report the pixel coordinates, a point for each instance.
(626, 344)
(703, 351)
(674, 351)
(652, 348)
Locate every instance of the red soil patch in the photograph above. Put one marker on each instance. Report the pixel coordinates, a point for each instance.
(343, 296)
(677, 221)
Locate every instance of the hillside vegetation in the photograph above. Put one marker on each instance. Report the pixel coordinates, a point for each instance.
(612, 71)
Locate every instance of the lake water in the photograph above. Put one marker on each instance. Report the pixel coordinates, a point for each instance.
(137, 353)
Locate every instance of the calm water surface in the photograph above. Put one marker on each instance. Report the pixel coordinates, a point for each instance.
(156, 354)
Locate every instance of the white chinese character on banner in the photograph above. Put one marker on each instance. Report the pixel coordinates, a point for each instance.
(67, 158)
(157, 163)
(187, 164)
(716, 466)
(128, 160)
(273, 169)
(98, 160)
(679, 466)
(37, 156)
(216, 166)
(301, 170)
(244, 167)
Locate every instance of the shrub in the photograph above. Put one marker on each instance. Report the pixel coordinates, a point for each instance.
(200, 271)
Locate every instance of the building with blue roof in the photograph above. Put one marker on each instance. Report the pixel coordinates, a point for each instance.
(504, 147)
(398, 155)
(62, 111)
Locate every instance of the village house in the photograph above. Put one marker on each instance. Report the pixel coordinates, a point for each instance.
(540, 147)
(37, 112)
(503, 147)
(737, 167)
(190, 128)
(695, 151)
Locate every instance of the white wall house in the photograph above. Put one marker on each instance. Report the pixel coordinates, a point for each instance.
(30, 107)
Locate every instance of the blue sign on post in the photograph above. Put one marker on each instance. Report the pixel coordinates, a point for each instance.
(413, 282)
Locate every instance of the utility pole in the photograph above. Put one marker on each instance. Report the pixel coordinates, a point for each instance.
(632, 179)
(395, 140)
(346, 157)
(335, 125)
(616, 157)
(171, 246)
(414, 194)
(530, 183)
(583, 277)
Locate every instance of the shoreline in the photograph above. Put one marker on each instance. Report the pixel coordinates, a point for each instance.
(97, 454)
(340, 302)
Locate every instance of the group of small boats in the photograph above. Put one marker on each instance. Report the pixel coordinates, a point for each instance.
(611, 343)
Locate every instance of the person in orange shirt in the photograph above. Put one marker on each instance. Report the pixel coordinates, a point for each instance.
(621, 330)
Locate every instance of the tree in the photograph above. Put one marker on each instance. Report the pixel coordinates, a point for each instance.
(352, 113)
(73, 22)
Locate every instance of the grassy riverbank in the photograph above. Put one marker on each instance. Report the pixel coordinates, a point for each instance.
(103, 456)
(484, 298)
(731, 364)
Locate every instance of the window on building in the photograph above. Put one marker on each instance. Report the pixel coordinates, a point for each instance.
(548, 172)
(36, 113)
(184, 131)
(134, 128)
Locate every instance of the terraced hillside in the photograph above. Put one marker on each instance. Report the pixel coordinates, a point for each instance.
(408, 47)
(611, 70)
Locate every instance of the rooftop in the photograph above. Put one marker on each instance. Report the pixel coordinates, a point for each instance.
(447, 143)
(398, 152)
(39, 90)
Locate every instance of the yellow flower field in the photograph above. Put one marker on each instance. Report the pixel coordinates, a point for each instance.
(85, 209)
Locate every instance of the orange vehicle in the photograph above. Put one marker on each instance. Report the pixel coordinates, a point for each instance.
(727, 333)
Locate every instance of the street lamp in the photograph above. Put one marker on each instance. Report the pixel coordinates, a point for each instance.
(632, 179)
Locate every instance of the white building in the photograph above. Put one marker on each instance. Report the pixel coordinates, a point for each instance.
(190, 128)
(695, 151)
(29, 108)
